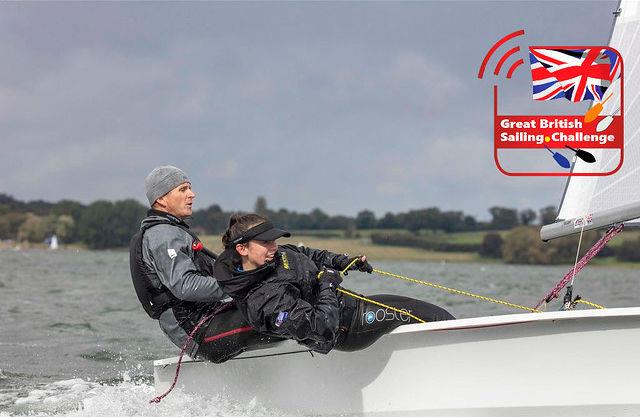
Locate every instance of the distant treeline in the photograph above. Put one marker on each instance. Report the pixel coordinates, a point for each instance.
(520, 245)
(215, 220)
(510, 235)
(106, 224)
(99, 225)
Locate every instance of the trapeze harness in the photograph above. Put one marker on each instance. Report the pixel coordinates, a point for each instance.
(153, 295)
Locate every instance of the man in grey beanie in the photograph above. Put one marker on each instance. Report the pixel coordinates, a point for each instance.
(169, 190)
(172, 272)
(162, 180)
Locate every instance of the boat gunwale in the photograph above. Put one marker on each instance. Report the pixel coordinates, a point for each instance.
(289, 346)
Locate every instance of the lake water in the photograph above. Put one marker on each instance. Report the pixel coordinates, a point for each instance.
(74, 340)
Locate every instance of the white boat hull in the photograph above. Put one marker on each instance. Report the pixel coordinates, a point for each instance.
(583, 363)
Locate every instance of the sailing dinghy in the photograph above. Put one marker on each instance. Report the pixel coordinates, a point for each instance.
(508, 365)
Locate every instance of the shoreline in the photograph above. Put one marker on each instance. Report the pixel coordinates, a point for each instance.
(11, 245)
(354, 246)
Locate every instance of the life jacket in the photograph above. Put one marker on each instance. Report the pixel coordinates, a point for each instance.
(153, 295)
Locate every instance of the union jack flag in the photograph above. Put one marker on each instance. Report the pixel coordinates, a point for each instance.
(575, 74)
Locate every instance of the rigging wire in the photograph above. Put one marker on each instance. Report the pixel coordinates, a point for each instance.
(592, 252)
(575, 264)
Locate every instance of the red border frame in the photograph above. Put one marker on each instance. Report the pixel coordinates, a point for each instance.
(562, 174)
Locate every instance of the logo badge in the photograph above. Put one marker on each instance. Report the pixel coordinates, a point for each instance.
(282, 316)
(370, 317)
(570, 144)
(172, 253)
(285, 260)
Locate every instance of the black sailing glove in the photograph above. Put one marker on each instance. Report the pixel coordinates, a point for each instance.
(342, 261)
(330, 277)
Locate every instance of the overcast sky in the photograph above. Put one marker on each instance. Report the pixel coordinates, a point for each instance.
(341, 106)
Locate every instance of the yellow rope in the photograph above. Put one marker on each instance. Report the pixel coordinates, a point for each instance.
(397, 310)
(369, 300)
(455, 291)
(440, 287)
(591, 304)
(344, 271)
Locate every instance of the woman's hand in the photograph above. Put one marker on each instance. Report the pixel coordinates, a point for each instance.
(330, 277)
(360, 264)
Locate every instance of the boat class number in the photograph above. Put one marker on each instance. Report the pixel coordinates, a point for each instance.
(384, 314)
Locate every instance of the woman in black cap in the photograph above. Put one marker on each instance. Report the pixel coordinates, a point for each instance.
(291, 292)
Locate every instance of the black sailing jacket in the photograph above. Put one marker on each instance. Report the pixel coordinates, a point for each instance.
(284, 298)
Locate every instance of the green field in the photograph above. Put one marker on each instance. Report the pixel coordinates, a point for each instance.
(464, 237)
(362, 245)
(628, 234)
(458, 237)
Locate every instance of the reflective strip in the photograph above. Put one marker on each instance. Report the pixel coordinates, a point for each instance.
(225, 334)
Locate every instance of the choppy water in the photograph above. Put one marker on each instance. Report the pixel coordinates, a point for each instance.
(75, 342)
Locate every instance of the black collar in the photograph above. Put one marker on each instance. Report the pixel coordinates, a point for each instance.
(168, 216)
(235, 283)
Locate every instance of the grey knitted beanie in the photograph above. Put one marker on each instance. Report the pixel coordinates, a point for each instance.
(162, 180)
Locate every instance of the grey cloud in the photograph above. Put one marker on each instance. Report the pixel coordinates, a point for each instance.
(342, 106)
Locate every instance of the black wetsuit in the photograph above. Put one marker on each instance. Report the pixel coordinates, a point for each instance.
(369, 321)
(284, 299)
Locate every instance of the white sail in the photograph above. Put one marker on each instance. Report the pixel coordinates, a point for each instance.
(612, 198)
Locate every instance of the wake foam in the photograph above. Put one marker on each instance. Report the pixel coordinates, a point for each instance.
(129, 398)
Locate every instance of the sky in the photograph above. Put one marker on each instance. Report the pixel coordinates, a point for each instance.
(336, 105)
